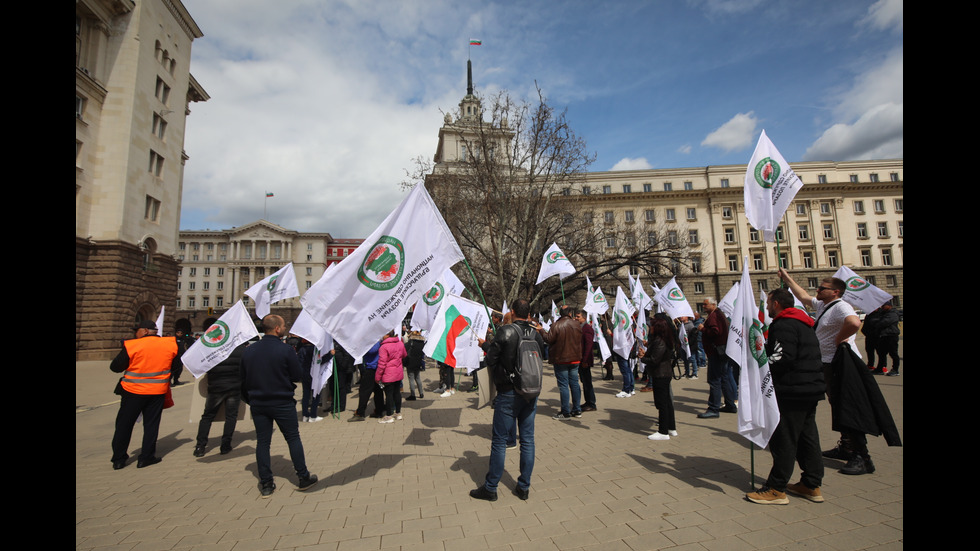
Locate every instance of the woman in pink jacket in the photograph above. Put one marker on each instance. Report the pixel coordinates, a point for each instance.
(389, 375)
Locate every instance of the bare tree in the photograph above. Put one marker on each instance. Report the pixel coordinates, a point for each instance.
(517, 187)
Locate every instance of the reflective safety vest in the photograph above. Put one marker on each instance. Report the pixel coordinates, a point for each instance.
(149, 364)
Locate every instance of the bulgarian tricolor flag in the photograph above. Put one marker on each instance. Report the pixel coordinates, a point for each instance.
(475, 42)
(270, 194)
(453, 339)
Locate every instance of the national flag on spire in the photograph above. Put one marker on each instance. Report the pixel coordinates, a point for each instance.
(770, 186)
(475, 42)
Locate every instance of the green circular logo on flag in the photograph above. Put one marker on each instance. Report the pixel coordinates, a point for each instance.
(216, 335)
(598, 298)
(272, 283)
(469, 323)
(434, 295)
(757, 343)
(555, 256)
(857, 284)
(384, 266)
(767, 172)
(622, 320)
(675, 294)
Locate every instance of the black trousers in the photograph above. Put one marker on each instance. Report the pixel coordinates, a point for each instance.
(130, 407)
(366, 389)
(796, 440)
(231, 399)
(664, 403)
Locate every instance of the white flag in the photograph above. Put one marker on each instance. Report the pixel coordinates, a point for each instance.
(428, 306)
(453, 339)
(364, 296)
(860, 293)
(672, 300)
(640, 298)
(232, 329)
(306, 327)
(623, 324)
(685, 342)
(160, 321)
(596, 303)
(278, 286)
(320, 372)
(758, 413)
(770, 186)
(554, 262)
(727, 303)
(505, 309)
(555, 314)
(599, 338)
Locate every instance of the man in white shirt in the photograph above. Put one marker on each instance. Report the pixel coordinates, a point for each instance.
(837, 323)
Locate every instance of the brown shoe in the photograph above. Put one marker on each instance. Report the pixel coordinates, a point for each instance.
(768, 496)
(799, 489)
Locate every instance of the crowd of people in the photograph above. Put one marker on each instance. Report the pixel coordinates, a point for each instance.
(264, 375)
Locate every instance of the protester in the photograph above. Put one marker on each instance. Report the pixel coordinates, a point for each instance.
(415, 363)
(565, 340)
(224, 387)
(659, 361)
(389, 375)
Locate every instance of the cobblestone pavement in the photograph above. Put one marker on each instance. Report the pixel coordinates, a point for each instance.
(598, 482)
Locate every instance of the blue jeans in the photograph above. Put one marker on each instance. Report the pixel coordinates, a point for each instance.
(567, 375)
(721, 383)
(511, 409)
(285, 418)
(627, 372)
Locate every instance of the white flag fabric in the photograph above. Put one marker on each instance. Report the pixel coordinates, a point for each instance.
(685, 342)
(428, 306)
(505, 309)
(278, 286)
(640, 297)
(672, 300)
(623, 339)
(596, 303)
(546, 325)
(860, 293)
(554, 262)
(555, 314)
(159, 321)
(306, 327)
(232, 329)
(320, 372)
(600, 338)
(727, 303)
(770, 186)
(455, 334)
(758, 413)
(364, 296)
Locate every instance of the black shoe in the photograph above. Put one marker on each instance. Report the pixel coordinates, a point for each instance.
(483, 493)
(267, 488)
(523, 494)
(116, 465)
(892, 373)
(225, 450)
(878, 371)
(859, 465)
(147, 462)
(709, 415)
(730, 408)
(562, 417)
(307, 483)
(199, 451)
(588, 408)
(839, 452)
(410, 398)
(421, 396)
(577, 414)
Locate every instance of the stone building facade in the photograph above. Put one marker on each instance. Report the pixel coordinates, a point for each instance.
(133, 91)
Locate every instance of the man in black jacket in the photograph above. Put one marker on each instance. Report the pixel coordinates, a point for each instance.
(270, 371)
(797, 376)
(224, 387)
(510, 408)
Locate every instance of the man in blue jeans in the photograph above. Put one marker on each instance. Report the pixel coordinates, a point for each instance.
(565, 341)
(510, 408)
(270, 370)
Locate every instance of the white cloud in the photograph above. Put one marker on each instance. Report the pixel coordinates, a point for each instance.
(735, 134)
(869, 116)
(685, 149)
(726, 7)
(640, 163)
(886, 14)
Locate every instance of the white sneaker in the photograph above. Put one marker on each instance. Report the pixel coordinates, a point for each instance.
(398, 417)
(306, 419)
(315, 419)
(633, 393)
(672, 432)
(623, 395)
(385, 420)
(452, 391)
(446, 394)
(658, 436)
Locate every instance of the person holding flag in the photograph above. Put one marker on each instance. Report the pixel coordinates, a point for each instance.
(721, 383)
(793, 353)
(661, 344)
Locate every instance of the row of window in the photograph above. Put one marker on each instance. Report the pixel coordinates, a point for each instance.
(688, 186)
(649, 215)
(879, 206)
(221, 272)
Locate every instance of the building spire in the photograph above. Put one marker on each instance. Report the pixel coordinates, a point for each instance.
(469, 78)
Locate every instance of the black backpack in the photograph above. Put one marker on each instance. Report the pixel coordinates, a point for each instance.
(529, 369)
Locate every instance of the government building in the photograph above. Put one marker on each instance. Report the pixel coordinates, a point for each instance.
(218, 266)
(133, 91)
(848, 213)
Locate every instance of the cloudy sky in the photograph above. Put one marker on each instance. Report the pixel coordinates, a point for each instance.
(326, 103)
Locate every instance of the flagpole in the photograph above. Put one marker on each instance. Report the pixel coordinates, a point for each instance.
(336, 389)
(562, 290)
(477, 283)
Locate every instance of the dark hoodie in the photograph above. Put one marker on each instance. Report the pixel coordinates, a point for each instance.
(794, 357)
